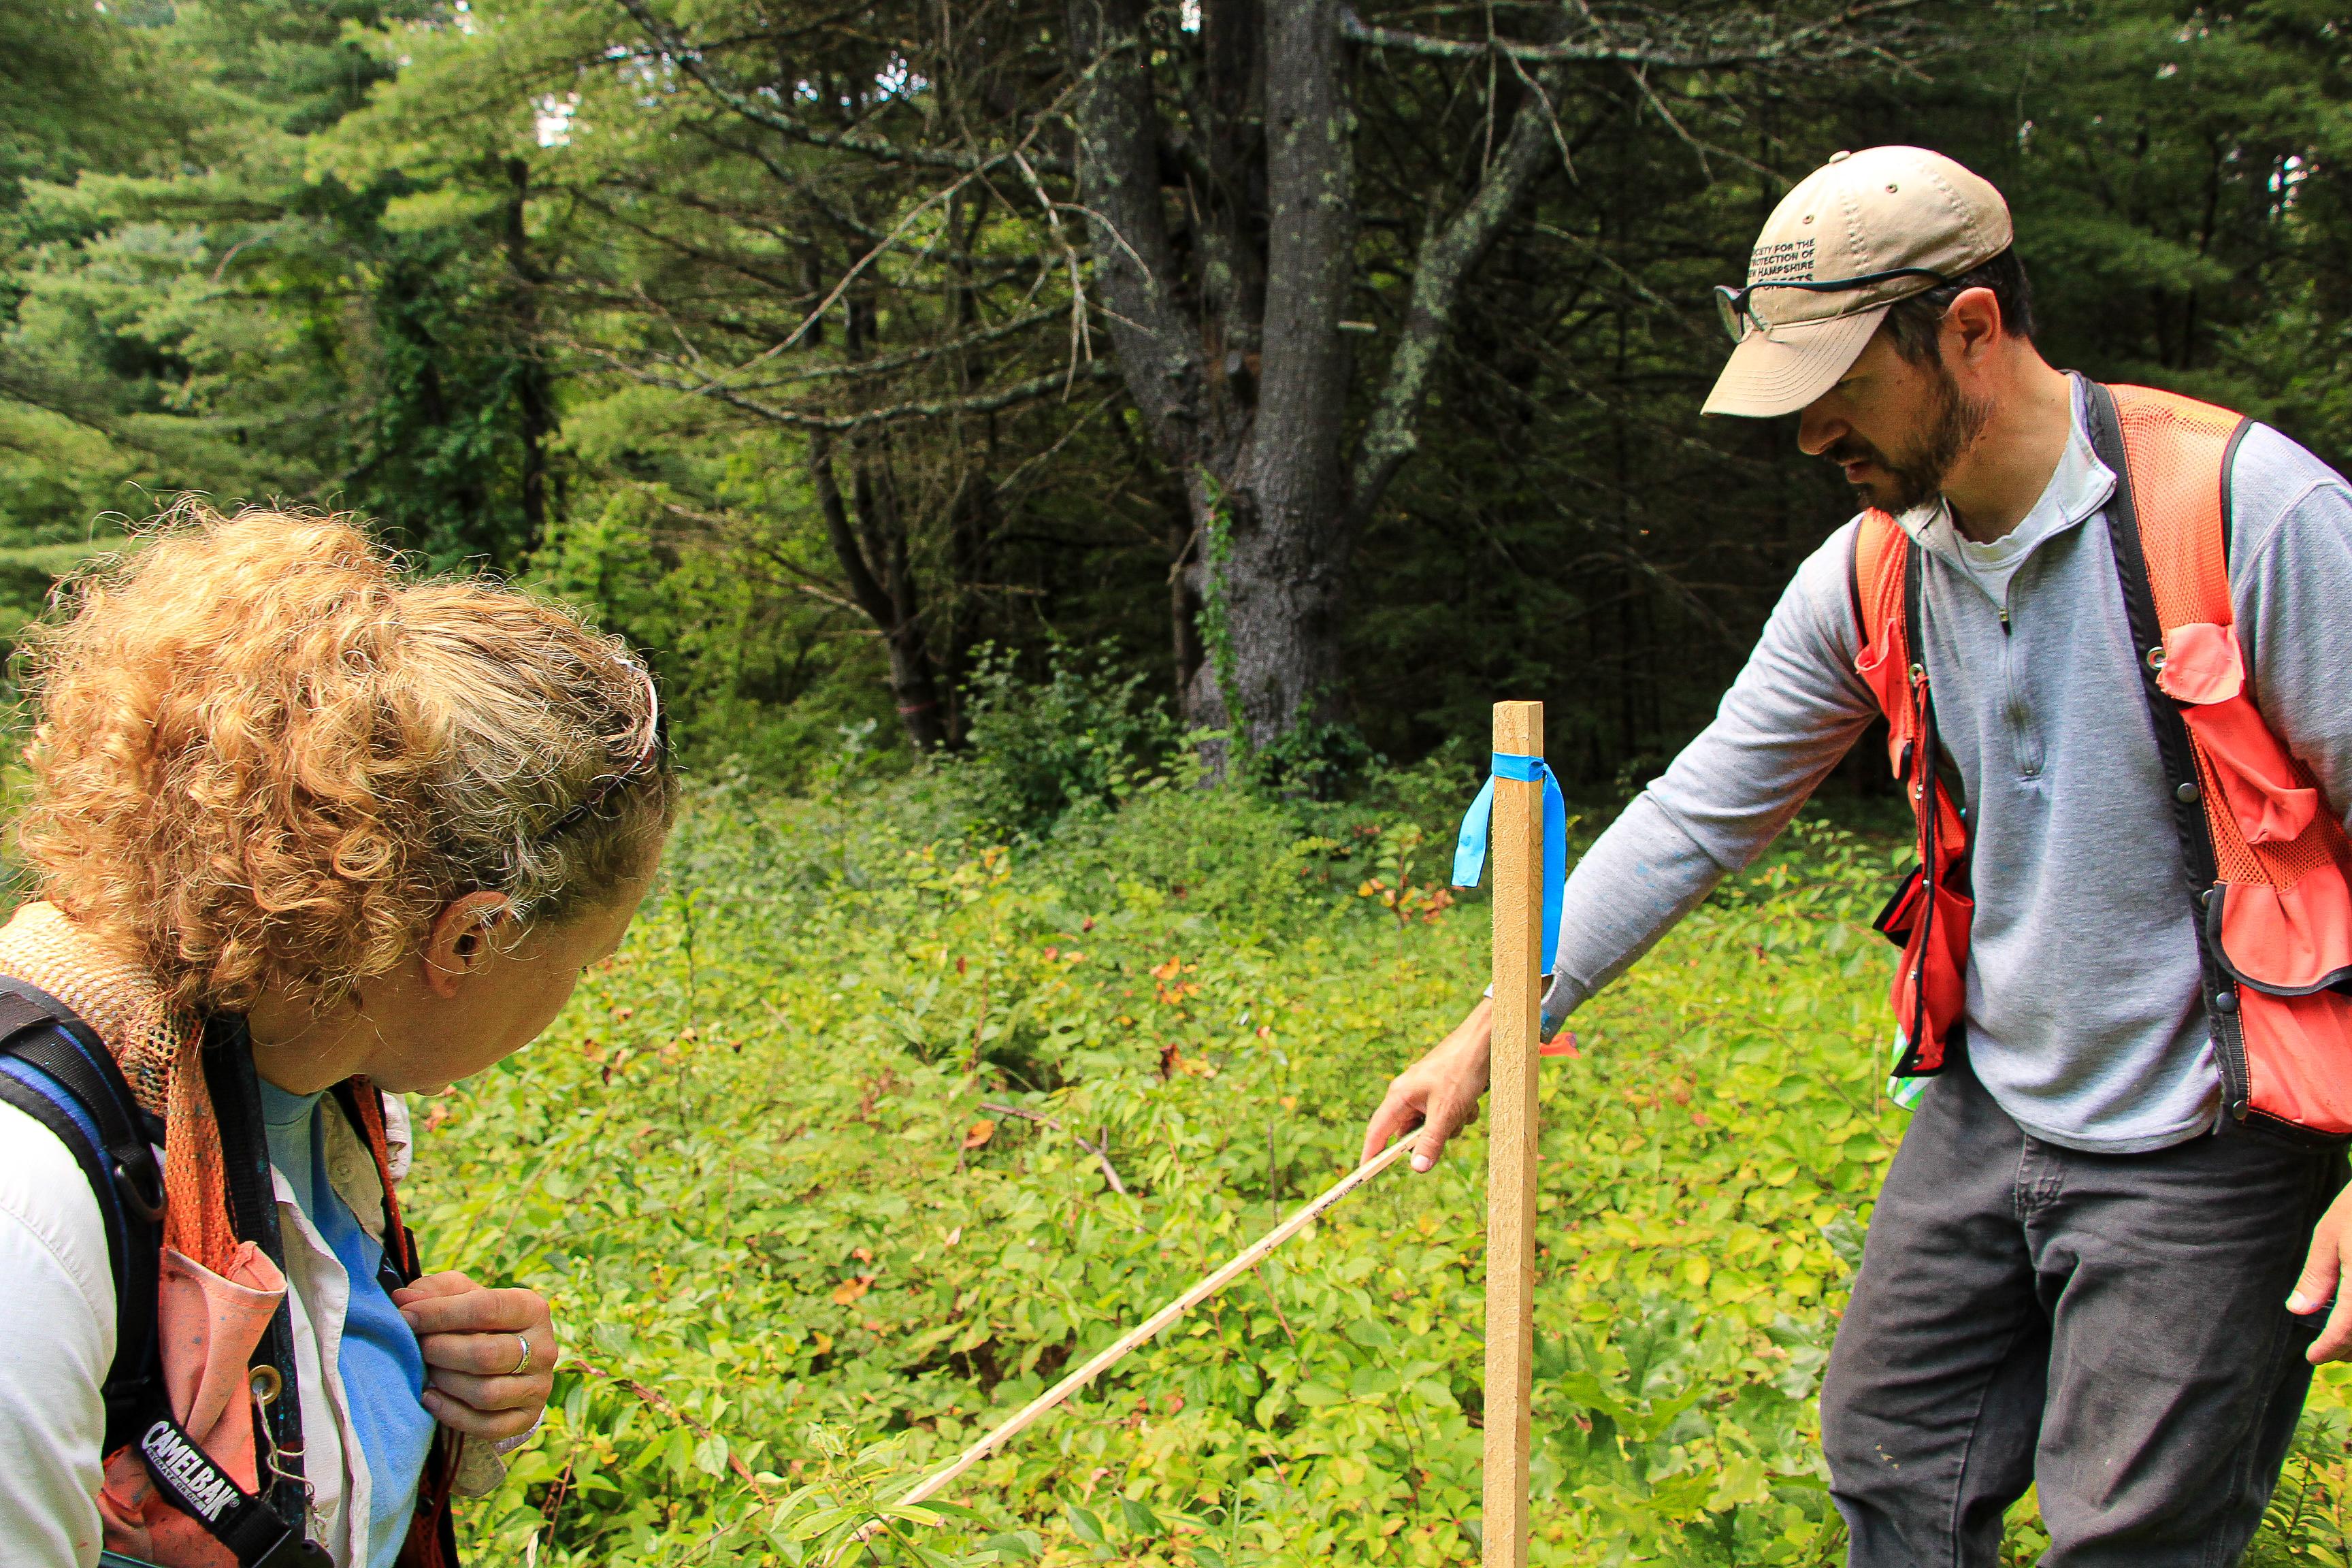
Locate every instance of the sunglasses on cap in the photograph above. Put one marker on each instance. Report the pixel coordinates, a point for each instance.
(1731, 305)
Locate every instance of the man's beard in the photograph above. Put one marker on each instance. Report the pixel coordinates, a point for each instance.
(1917, 476)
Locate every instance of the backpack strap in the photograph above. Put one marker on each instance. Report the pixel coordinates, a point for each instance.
(1881, 553)
(227, 1055)
(54, 1068)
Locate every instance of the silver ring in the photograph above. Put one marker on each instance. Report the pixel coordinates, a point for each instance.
(522, 1365)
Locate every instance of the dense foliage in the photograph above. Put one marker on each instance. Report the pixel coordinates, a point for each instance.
(511, 278)
(701, 312)
(818, 1175)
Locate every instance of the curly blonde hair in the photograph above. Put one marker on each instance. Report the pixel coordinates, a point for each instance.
(266, 756)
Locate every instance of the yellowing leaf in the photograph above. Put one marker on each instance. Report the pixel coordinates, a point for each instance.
(978, 1133)
(849, 1291)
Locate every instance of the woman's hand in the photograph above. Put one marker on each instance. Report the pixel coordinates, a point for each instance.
(1438, 1093)
(473, 1339)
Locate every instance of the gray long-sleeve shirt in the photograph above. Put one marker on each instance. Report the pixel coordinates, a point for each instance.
(2085, 1018)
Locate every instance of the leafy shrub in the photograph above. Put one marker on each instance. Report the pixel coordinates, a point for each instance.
(1315, 759)
(818, 1175)
(1080, 739)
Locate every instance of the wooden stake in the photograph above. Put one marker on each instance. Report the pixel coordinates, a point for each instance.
(1516, 853)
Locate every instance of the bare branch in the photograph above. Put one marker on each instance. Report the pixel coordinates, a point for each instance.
(1003, 397)
(862, 370)
(1101, 1152)
(1835, 37)
(695, 62)
(1447, 255)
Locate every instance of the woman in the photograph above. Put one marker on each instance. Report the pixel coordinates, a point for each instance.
(308, 834)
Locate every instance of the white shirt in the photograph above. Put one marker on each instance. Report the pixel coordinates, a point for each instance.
(53, 1273)
(2078, 487)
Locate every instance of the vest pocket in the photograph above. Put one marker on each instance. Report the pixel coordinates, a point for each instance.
(1901, 911)
(2205, 671)
(1930, 990)
(2299, 1058)
(2286, 942)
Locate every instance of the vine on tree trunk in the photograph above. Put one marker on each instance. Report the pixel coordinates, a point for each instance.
(1216, 626)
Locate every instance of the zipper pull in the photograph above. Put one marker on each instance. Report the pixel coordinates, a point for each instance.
(2004, 617)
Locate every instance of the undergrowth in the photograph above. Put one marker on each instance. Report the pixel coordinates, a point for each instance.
(869, 1132)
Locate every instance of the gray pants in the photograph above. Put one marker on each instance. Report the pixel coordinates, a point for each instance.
(2110, 1326)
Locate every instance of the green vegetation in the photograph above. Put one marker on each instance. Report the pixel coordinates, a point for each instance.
(506, 276)
(737, 324)
(800, 1260)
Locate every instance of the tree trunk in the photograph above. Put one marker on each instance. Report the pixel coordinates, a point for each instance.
(1238, 365)
(872, 550)
(1282, 562)
(533, 404)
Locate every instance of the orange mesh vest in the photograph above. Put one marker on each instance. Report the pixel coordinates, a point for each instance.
(2267, 862)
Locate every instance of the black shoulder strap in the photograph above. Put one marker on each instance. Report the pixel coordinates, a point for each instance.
(54, 1068)
(252, 1530)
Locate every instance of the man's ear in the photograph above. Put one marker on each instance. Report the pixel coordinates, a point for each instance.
(1972, 323)
(460, 939)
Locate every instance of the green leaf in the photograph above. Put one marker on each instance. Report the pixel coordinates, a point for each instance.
(1016, 1546)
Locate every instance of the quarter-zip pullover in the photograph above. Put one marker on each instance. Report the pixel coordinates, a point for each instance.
(2085, 1018)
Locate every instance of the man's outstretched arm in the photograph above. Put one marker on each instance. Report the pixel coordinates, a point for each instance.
(1794, 711)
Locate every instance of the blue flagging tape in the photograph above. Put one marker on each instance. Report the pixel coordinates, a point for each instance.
(1470, 848)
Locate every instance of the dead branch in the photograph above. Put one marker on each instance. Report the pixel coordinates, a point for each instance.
(695, 62)
(1832, 37)
(1101, 1152)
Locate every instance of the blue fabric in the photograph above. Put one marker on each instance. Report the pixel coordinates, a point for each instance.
(382, 1367)
(1470, 846)
(109, 1205)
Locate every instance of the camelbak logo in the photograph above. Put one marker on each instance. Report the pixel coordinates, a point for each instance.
(182, 1466)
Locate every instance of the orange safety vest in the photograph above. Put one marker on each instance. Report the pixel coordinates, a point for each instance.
(2268, 864)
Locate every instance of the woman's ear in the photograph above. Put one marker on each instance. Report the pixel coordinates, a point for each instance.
(460, 939)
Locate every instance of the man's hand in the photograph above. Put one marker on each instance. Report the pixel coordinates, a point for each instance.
(473, 1339)
(1438, 1093)
(2323, 1276)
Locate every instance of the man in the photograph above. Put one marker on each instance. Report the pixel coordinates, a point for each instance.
(2083, 1269)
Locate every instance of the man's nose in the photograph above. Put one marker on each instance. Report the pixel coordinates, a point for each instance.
(1818, 429)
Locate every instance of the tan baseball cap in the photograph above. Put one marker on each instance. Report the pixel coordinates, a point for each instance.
(1896, 220)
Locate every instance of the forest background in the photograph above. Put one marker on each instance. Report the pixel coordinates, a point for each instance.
(1314, 373)
(1038, 384)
